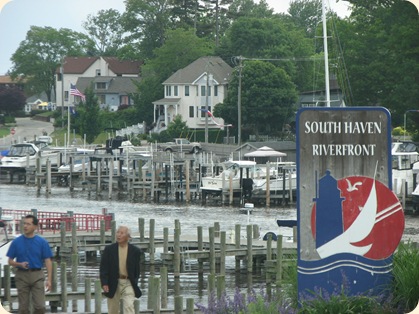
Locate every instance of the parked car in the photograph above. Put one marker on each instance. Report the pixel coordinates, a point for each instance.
(181, 145)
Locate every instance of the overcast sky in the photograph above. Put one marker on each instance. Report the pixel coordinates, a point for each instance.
(16, 17)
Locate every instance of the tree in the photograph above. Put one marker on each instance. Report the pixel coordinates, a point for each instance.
(180, 49)
(380, 44)
(306, 15)
(37, 58)
(11, 100)
(146, 21)
(88, 121)
(273, 39)
(106, 31)
(267, 98)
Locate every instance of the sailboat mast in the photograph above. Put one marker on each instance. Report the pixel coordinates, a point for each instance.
(326, 55)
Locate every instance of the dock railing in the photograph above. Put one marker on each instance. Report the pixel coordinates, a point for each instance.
(51, 221)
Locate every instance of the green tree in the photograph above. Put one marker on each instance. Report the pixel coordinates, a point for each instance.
(177, 128)
(146, 21)
(268, 96)
(11, 100)
(180, 49)
(306, 15)
(106, 31)
(88, 120)
(37, 58)
(380, 44)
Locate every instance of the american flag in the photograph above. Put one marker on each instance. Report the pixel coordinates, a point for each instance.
(75, 92)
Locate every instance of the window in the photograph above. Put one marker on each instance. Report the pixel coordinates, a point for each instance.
(191, 111)
(187, 90)
(66, 95)
(168, 90)
(209, 90)
(97, 72)
(203, 90)
(100, 85)
(216, 90)
(175, 91)
(101, 99)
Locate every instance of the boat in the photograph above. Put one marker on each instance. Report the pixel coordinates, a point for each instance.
(24, 155)
(282, 177)
(405, 168)
(237, 170)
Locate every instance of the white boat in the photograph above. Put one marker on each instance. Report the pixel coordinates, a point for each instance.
(282, 177)
(234, 169)
(25, 155)
(405, 167)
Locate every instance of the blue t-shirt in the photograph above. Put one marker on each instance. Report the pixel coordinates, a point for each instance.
(33, 250)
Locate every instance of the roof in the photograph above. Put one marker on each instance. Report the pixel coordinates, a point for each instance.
(220, 70)
(166, 101)
(124, 66)
(77, 65)
(275, 145)
(6, 79)
(117, 84)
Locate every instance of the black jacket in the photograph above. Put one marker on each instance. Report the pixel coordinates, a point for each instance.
(109, 268)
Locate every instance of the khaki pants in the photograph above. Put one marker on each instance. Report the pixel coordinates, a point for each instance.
(124, 292)
(30, 284)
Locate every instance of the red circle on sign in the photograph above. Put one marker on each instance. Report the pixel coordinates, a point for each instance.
(388, 229)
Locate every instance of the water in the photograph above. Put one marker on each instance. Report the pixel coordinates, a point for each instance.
(127, 213)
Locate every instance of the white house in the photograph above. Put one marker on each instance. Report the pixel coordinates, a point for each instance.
(111, 78)
(188, 93)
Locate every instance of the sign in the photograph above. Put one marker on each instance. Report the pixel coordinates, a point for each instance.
(12, 131)
(349, 220)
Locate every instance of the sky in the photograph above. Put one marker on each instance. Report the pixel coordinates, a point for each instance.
(16, 17)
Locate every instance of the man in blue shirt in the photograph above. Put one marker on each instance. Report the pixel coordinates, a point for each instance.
(28, 253)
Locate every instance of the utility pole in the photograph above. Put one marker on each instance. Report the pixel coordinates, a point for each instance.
(326, 55)
(239, 104)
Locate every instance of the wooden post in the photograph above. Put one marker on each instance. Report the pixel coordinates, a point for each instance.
(102, 232)
(110, 178)
(190, 306)
(141, 224)
(249, 249)
(211, 250)
(177, 253)
(74, 238)
(7, 284)
(152, 244)
(231, 191)
(98, 297)
(64, 287)
(237, 241)
(221, 286)
(178, 304)
(164, 286)
(54, 286)
(200, 249)
(279, 261)
(48, 175)
(62, 233)
(165, 240)
(211, 286)
(74, 267)
(87, 295)
(154, 294)
(216, 229)
(188, 188)
(223, 253)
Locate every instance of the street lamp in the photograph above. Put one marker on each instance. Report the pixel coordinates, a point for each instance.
(404, 128)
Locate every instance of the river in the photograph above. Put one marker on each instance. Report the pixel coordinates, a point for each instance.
(127, 213)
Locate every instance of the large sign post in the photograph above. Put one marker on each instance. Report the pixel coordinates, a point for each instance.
(349, 220)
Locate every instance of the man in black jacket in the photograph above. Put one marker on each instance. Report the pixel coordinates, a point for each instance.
(119, 272)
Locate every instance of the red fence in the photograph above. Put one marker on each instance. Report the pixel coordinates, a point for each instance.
(51, 221)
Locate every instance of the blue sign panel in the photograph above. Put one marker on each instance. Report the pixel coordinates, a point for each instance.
(349, 220)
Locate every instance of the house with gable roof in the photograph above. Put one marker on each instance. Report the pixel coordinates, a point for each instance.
(188, 93)
(113, 80)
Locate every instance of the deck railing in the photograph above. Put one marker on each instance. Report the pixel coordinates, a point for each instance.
(51, 221)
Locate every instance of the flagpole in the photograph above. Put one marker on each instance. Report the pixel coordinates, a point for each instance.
(68, 124)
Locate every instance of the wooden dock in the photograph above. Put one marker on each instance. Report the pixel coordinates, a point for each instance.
(177, 252)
